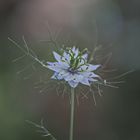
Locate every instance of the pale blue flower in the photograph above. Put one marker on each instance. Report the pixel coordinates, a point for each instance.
(72, 66)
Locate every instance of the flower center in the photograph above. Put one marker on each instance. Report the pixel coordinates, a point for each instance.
(75, 59)
(72, 71)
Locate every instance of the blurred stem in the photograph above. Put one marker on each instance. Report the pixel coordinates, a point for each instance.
(92, 55)
(72, 114)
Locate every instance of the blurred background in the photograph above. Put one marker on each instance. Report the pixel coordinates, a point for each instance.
(112, 24)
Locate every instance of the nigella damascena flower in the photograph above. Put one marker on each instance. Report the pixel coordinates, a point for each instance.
(73, 67)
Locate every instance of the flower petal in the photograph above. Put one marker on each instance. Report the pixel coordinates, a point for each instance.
(74, 77)
(92, 74)
(57, 66)
(88, 67)
(63, 65)
(66, 57)
(57, 76)
(75, 51)
(57, 56)
(92, 67)
(62, 73)
(89, 75)
(54, 75)
(92, 79)
(73, 84)
(54, 66)
(69, 77)
(85, 81)
(85, 56)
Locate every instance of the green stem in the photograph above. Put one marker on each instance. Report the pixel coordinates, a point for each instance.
(72, 114)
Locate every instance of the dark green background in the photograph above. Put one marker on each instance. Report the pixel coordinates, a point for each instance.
(117, 29)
